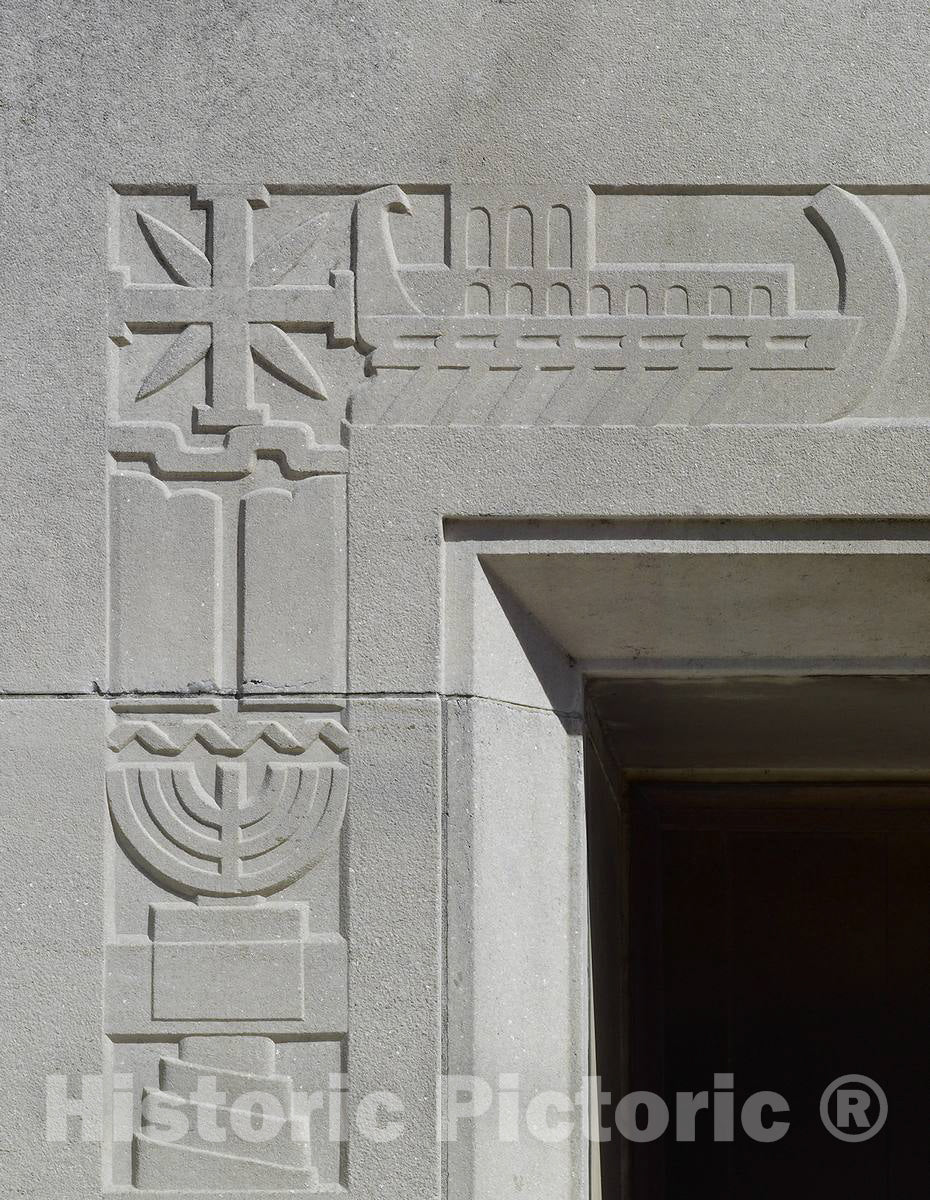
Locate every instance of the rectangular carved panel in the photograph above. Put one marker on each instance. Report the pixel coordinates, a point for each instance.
(226, 964)
(269, 312)
(226, 960)
(292, 550)
(568, 306)
(166, 585)
(233, 585)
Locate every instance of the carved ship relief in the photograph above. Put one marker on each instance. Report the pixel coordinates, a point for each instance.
(550, 318)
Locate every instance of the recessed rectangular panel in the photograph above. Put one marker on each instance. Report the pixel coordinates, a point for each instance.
(227, 981)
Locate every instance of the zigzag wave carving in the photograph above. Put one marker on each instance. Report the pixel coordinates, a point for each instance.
(170, 738)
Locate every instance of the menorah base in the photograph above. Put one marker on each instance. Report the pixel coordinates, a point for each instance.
(228, 961)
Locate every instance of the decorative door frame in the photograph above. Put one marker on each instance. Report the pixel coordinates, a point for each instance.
(299, 613)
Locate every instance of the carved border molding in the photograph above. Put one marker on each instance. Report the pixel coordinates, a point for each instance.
(249, 325)
(226, 956)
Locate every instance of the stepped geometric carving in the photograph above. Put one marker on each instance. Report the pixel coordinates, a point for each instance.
(280, 1161)
(164, 449)
(227, 844)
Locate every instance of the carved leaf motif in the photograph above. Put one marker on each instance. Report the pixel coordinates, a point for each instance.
(188, 348)
(181, 259)
(283, 255)
(280, 357)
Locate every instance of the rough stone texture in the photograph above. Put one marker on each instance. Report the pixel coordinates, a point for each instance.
(666, 263)
(50, 935)
(591, 473)
(395, 882)
(127, 94)
(517, 947)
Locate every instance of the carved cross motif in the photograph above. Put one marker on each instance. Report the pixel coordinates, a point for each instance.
(230, 306)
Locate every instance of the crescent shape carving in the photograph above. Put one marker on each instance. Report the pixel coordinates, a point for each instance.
(871, 286)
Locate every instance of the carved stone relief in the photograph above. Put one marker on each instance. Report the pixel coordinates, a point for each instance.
(226, 957)
(246, 324)
(530, 322)
(192, 300)
(251, 307)
(258, 569)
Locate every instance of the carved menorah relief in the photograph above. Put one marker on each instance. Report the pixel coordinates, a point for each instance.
(224, 971)
(227, 844)
(250, 327)
(225, 956)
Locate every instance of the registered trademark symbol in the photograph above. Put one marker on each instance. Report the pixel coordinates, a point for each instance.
(853, 1108)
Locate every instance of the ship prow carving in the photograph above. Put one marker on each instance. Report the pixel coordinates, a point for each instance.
(620, 320)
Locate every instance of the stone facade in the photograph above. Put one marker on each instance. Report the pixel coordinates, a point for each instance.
(375, 378)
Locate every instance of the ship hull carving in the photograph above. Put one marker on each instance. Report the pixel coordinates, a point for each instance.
(585, 342)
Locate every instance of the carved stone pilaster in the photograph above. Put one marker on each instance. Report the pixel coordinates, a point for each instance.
(226, 954)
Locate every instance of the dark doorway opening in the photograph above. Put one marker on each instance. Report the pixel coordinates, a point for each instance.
(772, 935)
